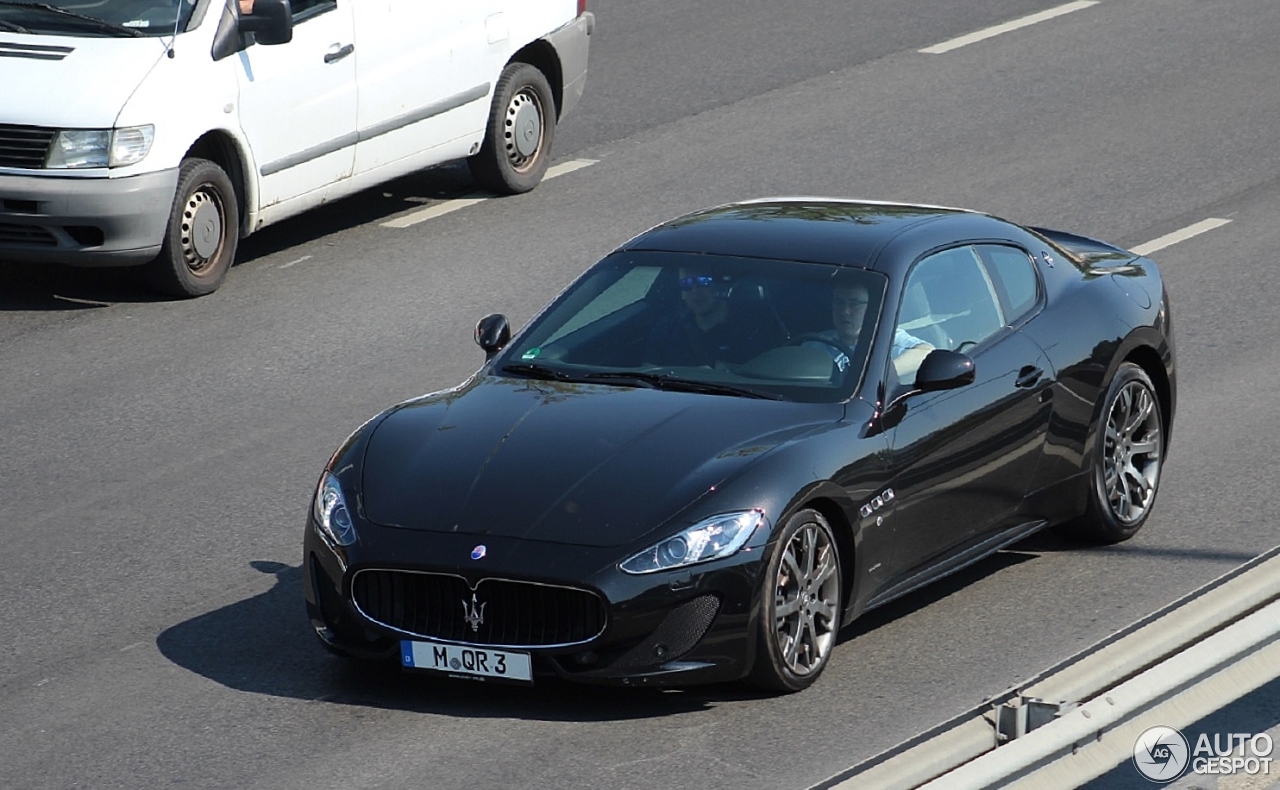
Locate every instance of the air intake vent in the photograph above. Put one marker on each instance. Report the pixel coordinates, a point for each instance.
(10, 49)
(24, 146)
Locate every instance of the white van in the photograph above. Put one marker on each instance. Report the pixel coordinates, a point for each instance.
(160, 132)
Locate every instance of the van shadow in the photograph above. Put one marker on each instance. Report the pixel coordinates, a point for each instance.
(264, 645)
(60, 288)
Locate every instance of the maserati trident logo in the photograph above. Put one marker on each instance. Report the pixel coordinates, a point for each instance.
(474, 613)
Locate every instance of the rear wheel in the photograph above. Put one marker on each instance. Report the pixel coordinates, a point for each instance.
(203, 233)
(517, 140)
(800, 606)
(1127, 460)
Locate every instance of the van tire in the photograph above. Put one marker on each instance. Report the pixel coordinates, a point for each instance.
(517, 139)
(204, 230)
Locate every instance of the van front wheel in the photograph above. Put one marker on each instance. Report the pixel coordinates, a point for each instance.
(204, 229)
(517, 139)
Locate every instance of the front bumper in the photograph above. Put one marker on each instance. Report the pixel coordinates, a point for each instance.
(680, 628)
(85, 221)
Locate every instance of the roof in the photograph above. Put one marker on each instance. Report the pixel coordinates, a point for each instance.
(820, 230)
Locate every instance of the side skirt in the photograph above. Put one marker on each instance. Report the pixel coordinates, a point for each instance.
(956, 562)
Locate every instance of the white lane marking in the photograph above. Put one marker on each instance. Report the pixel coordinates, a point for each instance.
(450, 206)
(291, 263)
(1170, 239)
(962, 41)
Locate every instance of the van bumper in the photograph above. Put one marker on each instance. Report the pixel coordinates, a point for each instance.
(572, 43)
(85, 221)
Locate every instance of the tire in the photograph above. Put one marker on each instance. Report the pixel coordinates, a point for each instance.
(800, 606)
(518, 136)
(1127, 460)
(204, 230)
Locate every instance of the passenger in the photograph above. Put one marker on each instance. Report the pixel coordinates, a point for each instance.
(246, 6)
(705, 331)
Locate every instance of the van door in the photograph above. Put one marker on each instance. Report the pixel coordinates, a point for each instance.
(419, 87)
(298, 102)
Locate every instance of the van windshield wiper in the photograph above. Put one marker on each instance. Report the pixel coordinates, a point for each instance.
(101, 24)
(12, 27)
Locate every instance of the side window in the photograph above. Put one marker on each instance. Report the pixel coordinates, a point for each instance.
(950, 302)
(304, 9)
(1014, 276)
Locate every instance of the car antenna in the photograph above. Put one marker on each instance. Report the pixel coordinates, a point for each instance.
(177, 22)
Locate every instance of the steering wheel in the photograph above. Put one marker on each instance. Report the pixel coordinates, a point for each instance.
(840, 348)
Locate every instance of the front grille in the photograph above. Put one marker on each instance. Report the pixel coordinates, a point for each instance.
(26, 234)
(498, 612)
(24, 146)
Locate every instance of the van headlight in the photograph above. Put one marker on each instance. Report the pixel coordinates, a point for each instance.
(80, 148)
(709, 539)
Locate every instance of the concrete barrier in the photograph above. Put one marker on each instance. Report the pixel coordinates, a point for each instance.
(1081, 717)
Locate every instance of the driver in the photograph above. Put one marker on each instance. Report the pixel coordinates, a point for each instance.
(848, 309)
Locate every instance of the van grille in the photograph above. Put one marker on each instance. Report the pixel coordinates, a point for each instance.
(31, 235)
(504, 612)
(24, 146)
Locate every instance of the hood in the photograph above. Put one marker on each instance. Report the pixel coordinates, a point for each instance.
(71, 81)
(567, 463)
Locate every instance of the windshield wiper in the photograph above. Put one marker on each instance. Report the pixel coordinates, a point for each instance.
(101, 24)
(668, 382)
(12, 27)
(663, 381)
(538, 371)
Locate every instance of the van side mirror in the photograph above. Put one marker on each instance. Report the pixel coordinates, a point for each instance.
(492, 334)
(270, 23)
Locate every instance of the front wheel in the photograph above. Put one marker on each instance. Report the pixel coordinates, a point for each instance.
(1125, 469)
(800, 610)
(204, 229)
(517, 140)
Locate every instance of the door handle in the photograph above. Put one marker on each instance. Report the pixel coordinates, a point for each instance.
(337, 55)
(1028, 376)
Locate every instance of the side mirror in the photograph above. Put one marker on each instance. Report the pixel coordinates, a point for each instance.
(944, 370)
(270, 23)
(492, 334)
(941, 370)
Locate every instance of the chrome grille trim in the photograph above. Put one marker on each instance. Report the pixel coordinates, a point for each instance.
(519, 614)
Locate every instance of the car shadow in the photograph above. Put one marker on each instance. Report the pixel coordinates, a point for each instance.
(58, 287)
(264, 645)
(935, 591)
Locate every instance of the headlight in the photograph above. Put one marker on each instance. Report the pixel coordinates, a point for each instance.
(331, 514)
(76, 148)
(709, 539)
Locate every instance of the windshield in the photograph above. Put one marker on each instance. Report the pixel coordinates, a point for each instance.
(706, 323)
(107, 18)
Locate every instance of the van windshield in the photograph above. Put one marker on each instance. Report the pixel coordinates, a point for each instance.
(105, 18)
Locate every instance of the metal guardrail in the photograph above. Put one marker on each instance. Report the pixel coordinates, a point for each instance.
(1081, 717)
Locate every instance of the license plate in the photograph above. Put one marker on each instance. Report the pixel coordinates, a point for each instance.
(466, 660)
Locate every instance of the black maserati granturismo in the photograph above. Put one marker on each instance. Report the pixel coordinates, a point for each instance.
(737, 432)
